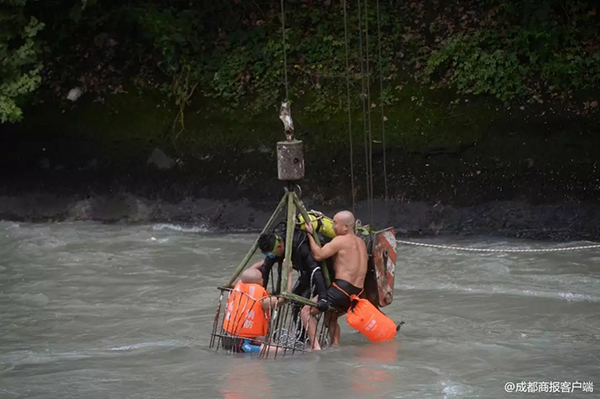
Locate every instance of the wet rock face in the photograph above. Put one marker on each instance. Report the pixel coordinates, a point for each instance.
(457, 170)
(419, 205)
(497, 187)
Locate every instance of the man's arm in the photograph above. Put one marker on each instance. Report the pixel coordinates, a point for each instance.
(327, 250)
(257, 265)
(270, 302)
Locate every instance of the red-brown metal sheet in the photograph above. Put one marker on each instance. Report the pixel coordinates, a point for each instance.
(384, 258)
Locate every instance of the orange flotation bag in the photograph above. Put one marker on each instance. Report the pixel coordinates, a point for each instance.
(367, 319)
(245, 316)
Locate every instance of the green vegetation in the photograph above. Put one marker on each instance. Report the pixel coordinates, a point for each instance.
(19, 65)
(522, 49)
(231, 51)
(195, 76)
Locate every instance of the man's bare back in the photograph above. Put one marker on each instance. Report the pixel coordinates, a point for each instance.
(349, 252)
(350, 262)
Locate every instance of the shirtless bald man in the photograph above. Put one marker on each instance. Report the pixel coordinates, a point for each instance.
(350, 264)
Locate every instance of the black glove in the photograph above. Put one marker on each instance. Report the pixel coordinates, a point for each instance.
(322, 305)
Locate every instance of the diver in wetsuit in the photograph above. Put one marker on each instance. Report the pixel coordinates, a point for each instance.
(273, 247)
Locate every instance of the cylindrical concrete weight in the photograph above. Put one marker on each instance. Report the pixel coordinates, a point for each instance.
(290, 160)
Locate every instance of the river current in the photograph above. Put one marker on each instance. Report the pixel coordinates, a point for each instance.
(89, 310)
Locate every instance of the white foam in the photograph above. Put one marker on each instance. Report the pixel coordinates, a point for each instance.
(454, 389)
(175, 227)
(9, 225)
(34, 357)
(168, 343)
(571, 297)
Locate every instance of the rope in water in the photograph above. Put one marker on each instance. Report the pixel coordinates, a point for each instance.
(508, 250)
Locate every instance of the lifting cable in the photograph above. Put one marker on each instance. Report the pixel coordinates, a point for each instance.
(369, 113)
(349, 110)
(364, 110)
(385, 182)
(287, 97)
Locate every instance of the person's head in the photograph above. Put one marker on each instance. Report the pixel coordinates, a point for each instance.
(343, 223)
(251, 276)
(271, 245)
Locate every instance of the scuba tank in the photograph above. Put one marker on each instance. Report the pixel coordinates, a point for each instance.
(321, 223)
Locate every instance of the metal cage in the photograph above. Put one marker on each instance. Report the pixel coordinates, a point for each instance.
(285, 333)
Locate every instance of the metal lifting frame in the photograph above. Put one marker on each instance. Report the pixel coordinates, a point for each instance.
(293, 203)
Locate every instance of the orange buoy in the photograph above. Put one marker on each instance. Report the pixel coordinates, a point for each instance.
(367, 319)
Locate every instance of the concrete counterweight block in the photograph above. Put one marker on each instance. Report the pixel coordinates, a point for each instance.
(290, 160)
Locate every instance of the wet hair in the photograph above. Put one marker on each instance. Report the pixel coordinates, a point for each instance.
(266, 242)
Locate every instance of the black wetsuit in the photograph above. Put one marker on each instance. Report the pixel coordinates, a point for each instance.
(304, 262)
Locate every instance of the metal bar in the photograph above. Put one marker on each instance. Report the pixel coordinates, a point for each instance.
(255, 245)
(291, 337)
(291, 330)
(289, 238)
(269, 338)
(324, 330)
(324, 269)
(282, 330)
(277, 329)
(216, 322)
(299, 299)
